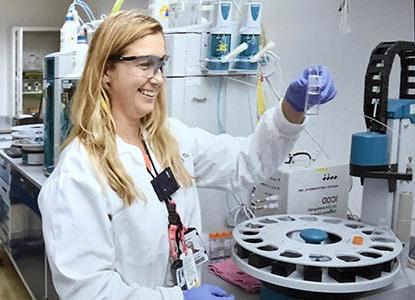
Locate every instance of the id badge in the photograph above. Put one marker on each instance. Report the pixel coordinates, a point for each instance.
(190, 274)
(180, 280)
(194, 243)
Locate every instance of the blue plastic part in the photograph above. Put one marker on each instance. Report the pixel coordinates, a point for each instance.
(217, 66)
(245, 65)
(369, 149)
(255, 8)
(252, 40)
(401, 109)
(225, 10)
(81, 39)
(313, 235)
(243, 59)
(268, 294)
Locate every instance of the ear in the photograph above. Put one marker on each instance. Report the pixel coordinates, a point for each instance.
(106, 81)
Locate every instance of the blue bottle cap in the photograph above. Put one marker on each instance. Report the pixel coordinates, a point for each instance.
(313, 235)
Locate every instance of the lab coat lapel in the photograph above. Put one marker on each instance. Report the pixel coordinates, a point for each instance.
(135, 153)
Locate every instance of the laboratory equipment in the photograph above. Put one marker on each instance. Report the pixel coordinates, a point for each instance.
(304, 186)
(382, 156)
(250, 33)
(32, 154)
(220, 38)
(60, 82)
(27, 136)
(316, 256)
(314, 85)
(69, 31)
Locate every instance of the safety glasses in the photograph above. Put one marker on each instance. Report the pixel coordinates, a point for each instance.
(146, 66)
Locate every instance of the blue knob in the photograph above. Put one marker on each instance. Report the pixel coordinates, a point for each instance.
(313, 235)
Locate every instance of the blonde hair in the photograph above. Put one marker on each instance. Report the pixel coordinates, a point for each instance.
(92, 121)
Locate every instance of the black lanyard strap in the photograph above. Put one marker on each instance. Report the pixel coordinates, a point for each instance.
(151, 160)
(174, 218)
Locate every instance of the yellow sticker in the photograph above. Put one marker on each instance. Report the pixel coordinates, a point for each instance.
(322, 170)
(164, 11)
(222, 47)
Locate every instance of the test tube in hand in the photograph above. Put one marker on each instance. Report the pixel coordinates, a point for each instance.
(312, 101)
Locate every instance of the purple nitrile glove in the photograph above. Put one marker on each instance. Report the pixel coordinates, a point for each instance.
(296, 92)
(207, 292)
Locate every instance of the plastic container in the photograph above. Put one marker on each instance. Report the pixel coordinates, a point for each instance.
(228, 243)
(69, 32)
(81, 51)
(216, 245)
(313, 90)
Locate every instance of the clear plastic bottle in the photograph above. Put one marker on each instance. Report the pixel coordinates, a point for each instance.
(69, 32)
(81, 50)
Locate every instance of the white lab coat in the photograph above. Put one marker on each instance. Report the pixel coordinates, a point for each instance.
(92, 257)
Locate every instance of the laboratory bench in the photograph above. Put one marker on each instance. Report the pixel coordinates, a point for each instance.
(20, 229)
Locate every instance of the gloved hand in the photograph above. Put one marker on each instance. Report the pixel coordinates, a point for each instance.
(296, 92)
(207, 292)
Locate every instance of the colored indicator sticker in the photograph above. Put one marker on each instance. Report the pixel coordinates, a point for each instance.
(164, 11)
(222, 47)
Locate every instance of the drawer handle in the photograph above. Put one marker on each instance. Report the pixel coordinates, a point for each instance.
(21, 179)
(199, 100)
(4, 167)
(4, 189)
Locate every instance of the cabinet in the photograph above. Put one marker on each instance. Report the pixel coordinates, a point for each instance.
(29, 46)
(21, 230)
(4, 202)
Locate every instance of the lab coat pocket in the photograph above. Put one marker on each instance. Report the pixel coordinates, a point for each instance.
(187, 160)
(140, 234)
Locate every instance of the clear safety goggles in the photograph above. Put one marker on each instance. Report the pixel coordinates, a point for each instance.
(146, 65)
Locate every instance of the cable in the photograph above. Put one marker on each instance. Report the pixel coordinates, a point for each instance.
(351, 215)
(218, 114)
(379, 122)
(317, 143)
(233, 216)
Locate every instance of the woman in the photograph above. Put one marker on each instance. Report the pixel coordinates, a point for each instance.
(105, 229)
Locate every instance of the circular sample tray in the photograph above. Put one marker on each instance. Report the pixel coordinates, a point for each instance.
(271, 249)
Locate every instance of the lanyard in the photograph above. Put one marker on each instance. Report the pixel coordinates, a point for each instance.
(176, 228)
